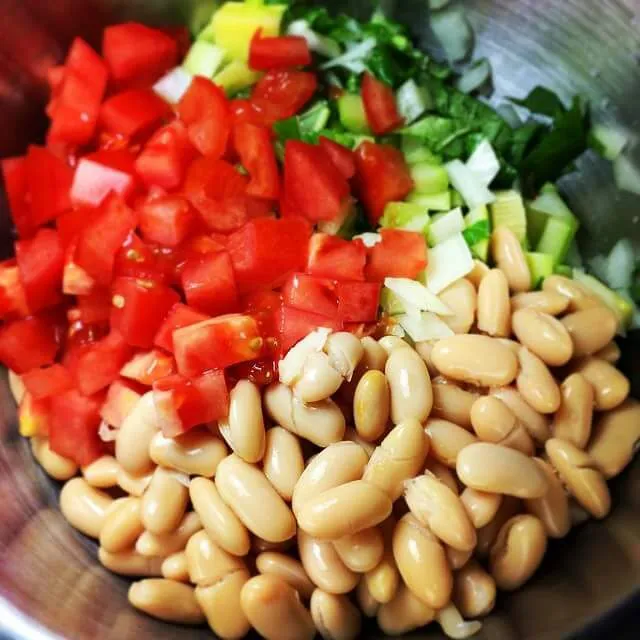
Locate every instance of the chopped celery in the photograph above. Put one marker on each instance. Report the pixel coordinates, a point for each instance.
(456, 199)
(236, 76)
(472, 190)
(429, 179)
(445, 226)
(315, 119)
(508, 211)
(416, 152)
(397, 214)
(448, 261)
(352, 114)
(609, 141)
(204, 59)
(413, 101)
(548, 204)
(540, 265)
(484, 163)
(435, 202)
(556, 239)
(621, 264)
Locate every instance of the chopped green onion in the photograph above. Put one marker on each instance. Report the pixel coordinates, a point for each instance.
(473, 192)
(448, 262)
(413, 101)
(416, 152)
(315, 119)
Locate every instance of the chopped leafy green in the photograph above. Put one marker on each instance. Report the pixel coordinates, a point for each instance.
(288, 129)
(542, 101)
(477, 232)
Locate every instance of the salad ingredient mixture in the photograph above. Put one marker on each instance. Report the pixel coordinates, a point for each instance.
(309, 319)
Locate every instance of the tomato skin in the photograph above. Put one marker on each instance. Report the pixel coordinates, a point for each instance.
(336, 258)
(295, 324)
(401, 254)
(34, 416)
(342, 158)
(13, 299)
(120, 400)
(28, 344)
(167, 220)
(245, 112)
(147, 367)
(137, 259)
(180, 315)
(358, 301)
(132, 113)
(71, 223)
(380, 105)
(93, 182)
(209, 284)
(281, 94)
(255, 149)
(47, 382)
(95, 307)
(278, 52)
(311, 293)
(14, 172)
(382, 177)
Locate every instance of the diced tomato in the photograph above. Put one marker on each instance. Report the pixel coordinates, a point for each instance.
(103, 237)
(210, 285)
(95, 307)
(401, 254)
(382, 176)
(380, 105)
(13, 300)
(245, 112)
(47, 382)
(137, 259)
(121, 159)
(166, 156)
(48, 183)
(179, 316)
(358, 301)
(255, 149)
(133, 112)
(148, 367)
(55, 77)
(27, 344)
(34, 416)
(281, 52)
(182, 404)
(181, 35)
(336, 258)
(138, 55)
(295, 324)
(310, 293)
(281, 94)
(75, 280)
(71, 223)
(342, 158)
(93, 182)
(313, 182)
(205, 111)
(263, 306)
(14, 171)
(75, 419)
(40, 263)
(78, 96)
(120, 401)
(266, 251)
(139, 307)
(216, 344)
(167, 220)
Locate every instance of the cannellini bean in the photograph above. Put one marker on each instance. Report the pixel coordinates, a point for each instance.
(274, 609)
(494, 305)
(480, 505)
(424, 350)
(286, 568)
(392, 343)
(611, 387)
(371, 405)
(517, 552)
(536, 384)
(334, 616)
(611, 353)
(591, 330)
(549, 302)
(475, 359)
(133, 485)
(451, 402)
(383, 581)
(422, 562)
(208, 562)
(462, 299)
(454, 626)
(16, 386)
(399, 457)
(443, 473)
(122, 526)
(197, 452)
(344, 510)
(374, 355)
(480, 270)
(102, 473)
(254, 500)
(447, 440)
(615, 438)
(258, 545)
(151, 545)
(535, 423)
(324, 566)
(406, 612)
(361, 551)
(580, 475)
(130, 563)
(134, 436)
(553, 507)
(84, 507)
(218, 519)
(410, 386)
(56, 466)
(283, 462)
(543, 334)
(509, 256)
(164, 503)
(369, 606)
(166, 600)
(573, 420)
(440, 509)
(319, 379)
(474, 591)
(338, 464)
(352, 435)
(486, 535)
(579, 297)
(497, 469)
(175, 567)
(456, 558)
(345, 352)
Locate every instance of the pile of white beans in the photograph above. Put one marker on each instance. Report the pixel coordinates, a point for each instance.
(396, 482)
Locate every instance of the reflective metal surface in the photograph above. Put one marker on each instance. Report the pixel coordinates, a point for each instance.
(49, 578)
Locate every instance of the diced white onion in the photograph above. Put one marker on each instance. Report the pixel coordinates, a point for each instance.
(292, 365)
(470, 187)
(425, 326)
(448, 261)
(172, 86)
(369, 240)
(445, 226)
(412, 101)
(415, 294)
(320, 44)
(484, 163)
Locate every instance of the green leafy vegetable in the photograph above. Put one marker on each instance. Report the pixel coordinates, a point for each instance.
(542, 101)
(477, 232)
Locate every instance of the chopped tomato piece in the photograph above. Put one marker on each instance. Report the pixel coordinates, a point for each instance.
(313, 182)
(148, 367)
(13, 300)
(266, 251)
(336, 258)
(167, 220)
(137, 259)
(278, 53)
(14, 171)
(179, 316)
(139, 307)
(342, 158)
(93, 182)
(40, 263)
(310, 293)
(71, 223)
(133, 112)
(210, 285)
(380, 105)
(95, 307)
(73, 434)
(216, 344)
(358, 301)
(120, 159)
(138, 55)
(27, 344)
(205, 111)
(48, 381)
(281, 94)
(120, 401)
(255, 148)
(295, 324)
(401, 254)
(34, 416)
(245, 112)
(382, 176)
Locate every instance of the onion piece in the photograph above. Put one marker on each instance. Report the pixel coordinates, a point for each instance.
(415, 294)
(172, 86)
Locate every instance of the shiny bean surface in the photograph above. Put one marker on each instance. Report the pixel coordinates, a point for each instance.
(406, 612)
(480, 270)
(334, 616)
(56, 466)
(371, 405)
(208, 562)
(447, 440)
(149, 544)
(474, 591)
(535, 423)
(453, 624)
(84, 507)
(481, 506)
(494, 305)
(286, 568)
(319, 380)
(462, 300)
(590, 330)
(510, 259)
(611, 387)
(611, 353)
(102, 473)
(545, 335)
(452, 402)
(493, 421)
(573, 420)
(384, 580)
(374, 356)
(361, 551)
(166, 600)
(553, 507)
(549, 302)
(135, 434)
(445, 474)
(131, 563)
(164, 503)
(345, 353)
(486, 535)
(410, 386)
(174, 567)
(369, 606)
(392, 343)
(424, 350)
(283, 462)
(122, 526)
(579, 297)
(536, 384)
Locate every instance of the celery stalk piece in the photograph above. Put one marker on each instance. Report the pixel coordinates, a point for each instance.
(540, 265)
(476, 76)
(436, 202)
(204, 59)
(548, 204)
(484, 163)
(556, 239)
(173, 85)
(352, 114)
(429, 179)
(445, 226)
(236, 76)
(416, 152)
(508, 211)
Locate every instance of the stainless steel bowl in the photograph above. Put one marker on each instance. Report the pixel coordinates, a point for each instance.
(50, 582)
